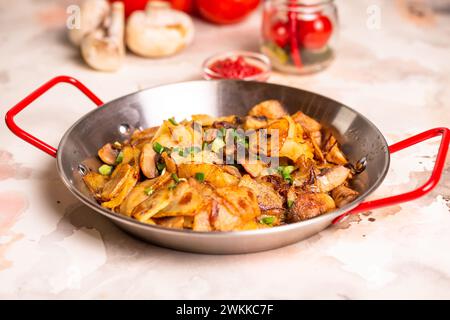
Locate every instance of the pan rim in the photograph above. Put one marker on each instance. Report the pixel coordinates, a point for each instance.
(278, 229)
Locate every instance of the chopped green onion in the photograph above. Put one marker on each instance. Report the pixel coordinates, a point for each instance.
(172, 186)
(117, 145)
(105, 170)
(223, 131)
(286, 171)
(175, 177)
(269, 220)
(160, 166)
(148, 191)
(290, 203)
(119, 158)
(217, 144)
(200, 176)
(158, 147)
(173, 121)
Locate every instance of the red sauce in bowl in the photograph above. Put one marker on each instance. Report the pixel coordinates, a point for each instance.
(235, 68)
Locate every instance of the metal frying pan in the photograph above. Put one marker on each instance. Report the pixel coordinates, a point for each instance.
(115, 120)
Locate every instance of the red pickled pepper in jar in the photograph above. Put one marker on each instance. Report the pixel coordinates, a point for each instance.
(235, 68)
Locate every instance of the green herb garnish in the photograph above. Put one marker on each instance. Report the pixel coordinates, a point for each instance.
(148, 191)
(158, 147)
(175, 178)
(217, 144)
(173, 121)
(172, 186)
(285, 172)
(119, 158)
(200, 176)
(105, 170)
(269, 220)
(160, 166)
(290, 203)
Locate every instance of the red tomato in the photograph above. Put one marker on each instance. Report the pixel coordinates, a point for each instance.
(280, 34)
(314, 33)
(134, 5)
(225, 11)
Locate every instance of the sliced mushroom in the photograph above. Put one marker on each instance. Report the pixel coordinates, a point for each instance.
(310, 205)
(92, 14)
(159, 31)
(147, 161)
(271, 109)
(332, 178)
(108, 154)
(170, 163)
(343, 195)
(103, 49)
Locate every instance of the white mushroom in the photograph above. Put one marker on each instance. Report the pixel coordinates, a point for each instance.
(92, 14)
(103, 49)
(159, 31)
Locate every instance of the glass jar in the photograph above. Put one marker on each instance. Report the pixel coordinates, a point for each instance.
(299, 36)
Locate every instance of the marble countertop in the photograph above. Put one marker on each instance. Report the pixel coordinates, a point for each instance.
(52, 246)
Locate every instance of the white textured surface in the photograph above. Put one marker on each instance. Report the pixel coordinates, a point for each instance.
(397, 76)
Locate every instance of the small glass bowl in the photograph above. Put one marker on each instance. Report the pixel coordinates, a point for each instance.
(258, 60)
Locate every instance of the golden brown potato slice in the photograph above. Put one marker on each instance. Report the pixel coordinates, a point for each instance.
(310, 205)
(332, 178)
(266, 196)
(160, 199)
(222, 220)
(254, 122)
(118, 179)
(185, 202)
(125, 190)
(171, 222)
(254, 168)
(140, 136)
(108, 154)
(332, 152)
(202, 218)
(203, 119)
(308, 123)
(136, 196)
(343, 195)
(240, 201)
(213, 174)
(95, 183)
(129, 154)
(271, 109)
(147, 161)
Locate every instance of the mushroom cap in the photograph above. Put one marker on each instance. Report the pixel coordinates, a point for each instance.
(158, 32)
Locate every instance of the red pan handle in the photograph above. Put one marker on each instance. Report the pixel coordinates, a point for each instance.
(9, 118)
(420, 191)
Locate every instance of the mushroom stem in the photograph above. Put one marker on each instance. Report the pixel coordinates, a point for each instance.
(104, 49)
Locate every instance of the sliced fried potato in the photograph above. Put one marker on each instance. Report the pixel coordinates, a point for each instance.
(310, 205)
(254, 168)
(185, 202)
(108, 154)
(118, 179)
(254, 122)
(171, 222)
(271, 109)
(136, 196)
(266, 195)
(125, 190)
(95, 183)
(213, 174)
(308, 123)
(170, 163)
(140, 136)
(202, 218)
(332, 152)
(222, 220)
(160, 199)
(240, 201)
